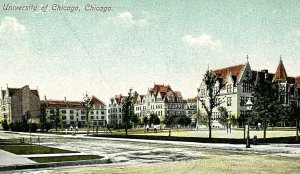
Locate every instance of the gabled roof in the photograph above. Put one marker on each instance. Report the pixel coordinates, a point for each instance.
(117, 98)
(234, 70)
(12, 91)
(280, 72)
(164, 91)
(97, 101)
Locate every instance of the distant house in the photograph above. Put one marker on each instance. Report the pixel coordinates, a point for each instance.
(115, 114)
(161, 100)
(237, 82)
(14, 102)
(72, 113)
(190, 107)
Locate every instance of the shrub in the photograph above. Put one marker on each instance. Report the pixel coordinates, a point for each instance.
(34, 127)
(5, 125)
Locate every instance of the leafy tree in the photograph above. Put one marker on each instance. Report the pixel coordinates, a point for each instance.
(57, 118)
(5, 125)
(28, 119)
(145, 120)
(128, 110)
(293, 113)
(226, 119)
(134, 119)
(183, 120)
(213, 93)
(43, 115)
(169, 120)
(267, 106)
(154, 119)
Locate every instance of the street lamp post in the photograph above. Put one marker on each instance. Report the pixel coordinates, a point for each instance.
(249, 105)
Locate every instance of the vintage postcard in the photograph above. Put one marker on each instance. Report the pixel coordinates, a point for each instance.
(149, 86)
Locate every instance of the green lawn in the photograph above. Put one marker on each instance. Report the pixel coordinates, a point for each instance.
(32, 149)
(64, 158)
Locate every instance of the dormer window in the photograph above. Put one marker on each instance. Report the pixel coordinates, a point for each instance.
(229, 88)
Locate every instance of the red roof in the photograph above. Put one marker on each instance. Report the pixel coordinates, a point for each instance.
(235, 70)
(97, 101)
(118, 98)
(63, 103)
(280, 72)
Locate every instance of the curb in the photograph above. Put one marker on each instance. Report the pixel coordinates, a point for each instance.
(55, 164)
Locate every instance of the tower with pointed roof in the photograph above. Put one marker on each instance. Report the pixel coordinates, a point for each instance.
(236, 83)
(280, 74)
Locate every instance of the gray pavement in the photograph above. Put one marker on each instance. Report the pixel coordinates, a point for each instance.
(8, 159)
(131, 150)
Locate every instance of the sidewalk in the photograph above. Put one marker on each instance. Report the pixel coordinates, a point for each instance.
(282, 149)
(9, 159)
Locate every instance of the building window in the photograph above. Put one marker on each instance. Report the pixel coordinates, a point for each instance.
(247, 87)
(242, 101)
(229, 100)
(229, 88)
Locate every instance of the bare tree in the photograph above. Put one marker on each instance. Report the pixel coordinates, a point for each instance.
(213, 93)
(87, 105)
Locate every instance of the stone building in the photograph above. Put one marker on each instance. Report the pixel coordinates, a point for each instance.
(236, 83)
(14, 102)
(160, 100)
(72, 113)
(115, 110)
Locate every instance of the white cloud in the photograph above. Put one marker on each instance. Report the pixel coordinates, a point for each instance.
(204, 40)
(128, 19)
(11, 24)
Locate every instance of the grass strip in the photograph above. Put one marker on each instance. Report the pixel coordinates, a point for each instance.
(32, 149)
(65, 158)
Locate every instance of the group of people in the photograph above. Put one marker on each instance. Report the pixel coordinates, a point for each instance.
(76, 128)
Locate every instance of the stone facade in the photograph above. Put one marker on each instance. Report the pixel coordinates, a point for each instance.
(15, 102)
(115, 114)
(160, 100)
(236, 83)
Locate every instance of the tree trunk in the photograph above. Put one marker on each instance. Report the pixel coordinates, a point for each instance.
(88, 123)
(297, 130)
(227, 127)
(209, 128)
(272, 126)
(126, 129)
(265, 130)
(244, 130)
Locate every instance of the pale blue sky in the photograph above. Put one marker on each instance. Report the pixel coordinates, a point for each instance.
(142, 42)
